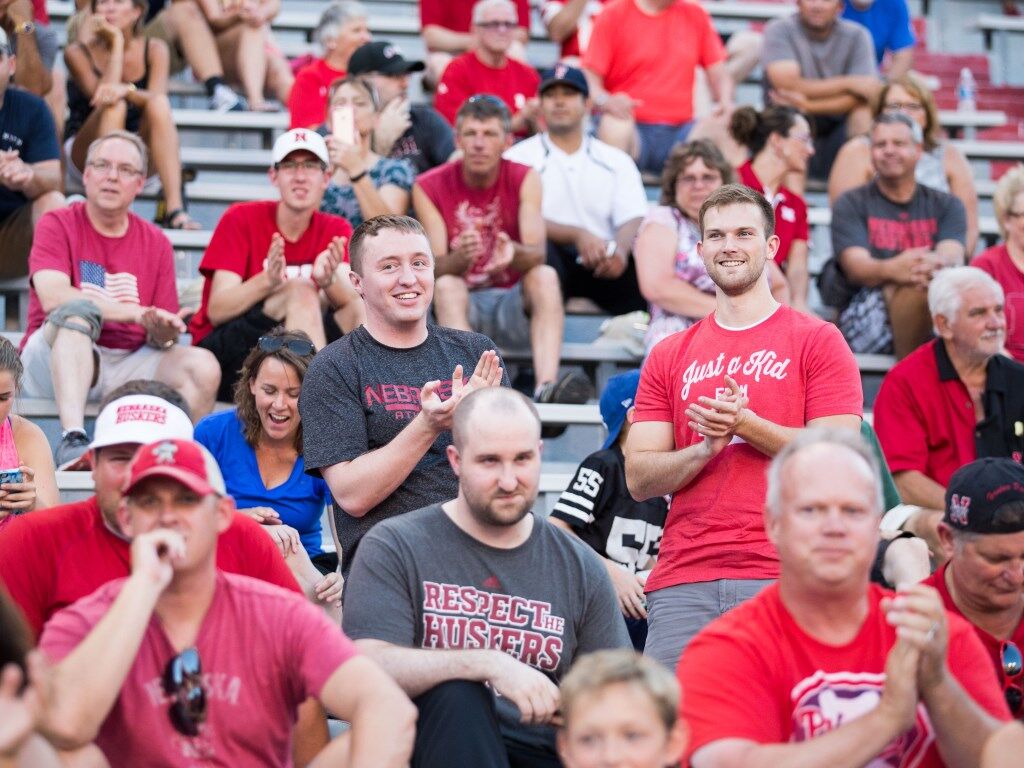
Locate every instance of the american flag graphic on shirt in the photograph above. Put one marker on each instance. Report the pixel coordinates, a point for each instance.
(111, 286)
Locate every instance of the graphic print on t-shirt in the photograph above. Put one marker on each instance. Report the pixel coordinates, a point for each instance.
(900, 234)
(401, 400)
(761, 362)
(458, 616)
(487, 222)
(828, 700)
(109, 286)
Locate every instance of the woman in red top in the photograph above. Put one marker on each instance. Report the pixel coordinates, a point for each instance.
(780, 143)
(1005, 262)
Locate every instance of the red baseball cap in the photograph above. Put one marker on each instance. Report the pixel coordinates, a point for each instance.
(185, 461)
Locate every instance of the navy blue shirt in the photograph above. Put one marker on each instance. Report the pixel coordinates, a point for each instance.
(26, 125)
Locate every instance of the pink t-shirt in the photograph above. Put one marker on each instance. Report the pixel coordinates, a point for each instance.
(793, 368)
(109, 268)
(490, 211)
(263, 652)
(997, 262)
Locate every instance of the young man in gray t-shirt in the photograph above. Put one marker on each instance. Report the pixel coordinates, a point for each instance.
(377, 404)
(480, 590)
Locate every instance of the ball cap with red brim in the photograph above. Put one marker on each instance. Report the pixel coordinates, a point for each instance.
(184, 461)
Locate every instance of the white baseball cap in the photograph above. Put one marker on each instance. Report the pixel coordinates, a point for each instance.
(140, 419)
(297, 139)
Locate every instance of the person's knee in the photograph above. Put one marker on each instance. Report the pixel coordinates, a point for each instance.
(451, 289)
(48, 201)
(301, 295)
(541, 284)
(73, 322)
(185, 13)
(454, 697)
(201, 368)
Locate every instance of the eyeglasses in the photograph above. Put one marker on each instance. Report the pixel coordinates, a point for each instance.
(1013, 671)
(183, 683)
(124, 172)
(706, 179)
(904, 106)
(497, 24)
(309, 166)
(489, 98)
(299, 347)
(804, 138)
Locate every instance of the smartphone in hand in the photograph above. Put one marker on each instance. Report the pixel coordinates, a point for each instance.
(343, 124)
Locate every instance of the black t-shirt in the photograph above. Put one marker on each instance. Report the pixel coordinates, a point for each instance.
(359, 394)
(598, 506)
(428, 142)
(26, 125)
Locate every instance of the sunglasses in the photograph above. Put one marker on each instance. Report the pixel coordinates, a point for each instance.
(1013, 672)
(299, 347)
(183, 683)
(489, 98)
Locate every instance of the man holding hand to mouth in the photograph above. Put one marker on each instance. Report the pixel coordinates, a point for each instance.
(277, 262)
(753, 374)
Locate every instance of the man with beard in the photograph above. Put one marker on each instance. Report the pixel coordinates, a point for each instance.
(714, 404)
(277, 262)
(479, 590)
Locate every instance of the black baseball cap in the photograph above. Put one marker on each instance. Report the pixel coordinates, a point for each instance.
(563, 74)
(381, 57)
(978, 490)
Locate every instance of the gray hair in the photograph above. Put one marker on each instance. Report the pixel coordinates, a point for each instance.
(335, 17)
(1010, 185)
(898, 118)
(485, 5)
(945, 293)
(812, 436)
(128, 136)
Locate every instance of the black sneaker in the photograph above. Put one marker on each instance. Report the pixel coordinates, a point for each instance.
(572, 388)
(72, 446)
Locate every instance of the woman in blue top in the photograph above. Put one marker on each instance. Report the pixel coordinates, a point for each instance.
(259, 448)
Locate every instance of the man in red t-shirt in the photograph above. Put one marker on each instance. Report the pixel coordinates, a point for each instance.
(175, 662)
(951, 401)
(482, 215)
(982, 533)
(715, 403)
(488, 68)
(277, 262)
(447, 30)
(825, 669)
(103, 305)
(641, 62)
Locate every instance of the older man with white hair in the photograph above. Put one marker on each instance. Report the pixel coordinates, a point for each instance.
(953, 400)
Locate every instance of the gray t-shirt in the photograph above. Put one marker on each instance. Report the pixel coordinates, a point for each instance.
(420, 581)
(848, 50)
(359, 394)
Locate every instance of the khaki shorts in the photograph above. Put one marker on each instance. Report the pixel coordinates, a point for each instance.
(16, 235)
(114, 367)
(159, 30)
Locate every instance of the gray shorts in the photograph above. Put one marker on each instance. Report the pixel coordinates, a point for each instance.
(676, 614)
(46, 42)
(114, 367)
(499, 314)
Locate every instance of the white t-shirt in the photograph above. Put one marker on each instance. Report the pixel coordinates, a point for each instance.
(597, 188)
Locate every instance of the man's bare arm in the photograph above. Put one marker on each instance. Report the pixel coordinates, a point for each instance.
(54, 288)
(917, 488)
(654, 467)
(529, 251)
(770, 438)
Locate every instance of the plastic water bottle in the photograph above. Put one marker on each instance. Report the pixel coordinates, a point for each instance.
(966, 92)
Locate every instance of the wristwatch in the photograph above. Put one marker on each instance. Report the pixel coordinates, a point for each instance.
(25, 28)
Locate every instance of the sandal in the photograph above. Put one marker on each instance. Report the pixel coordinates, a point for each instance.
(179, 219)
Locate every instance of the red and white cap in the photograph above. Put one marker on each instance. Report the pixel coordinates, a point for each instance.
(185, 461)
(300, 139)
(140, 419)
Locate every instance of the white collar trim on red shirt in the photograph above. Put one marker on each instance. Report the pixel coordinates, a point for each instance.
(747, 327)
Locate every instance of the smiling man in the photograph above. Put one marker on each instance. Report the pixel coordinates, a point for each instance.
(277, 262)
(378, 403)
(715, 403)
(480, 590)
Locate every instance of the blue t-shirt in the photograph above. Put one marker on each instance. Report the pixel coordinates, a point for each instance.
(27, 126)
(300, 500)
(888, 21)
(341, 200)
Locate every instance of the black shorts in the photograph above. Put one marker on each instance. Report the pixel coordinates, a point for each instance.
(232, 342)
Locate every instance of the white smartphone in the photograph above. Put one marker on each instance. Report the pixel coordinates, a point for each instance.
(343, 124)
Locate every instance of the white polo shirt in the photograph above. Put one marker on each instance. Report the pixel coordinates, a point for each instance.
(596, 188)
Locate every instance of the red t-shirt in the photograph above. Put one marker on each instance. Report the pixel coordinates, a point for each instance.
(793, 368)
(790, 213)
(457, 15)
(53, 557)
(489, 211)
(924, 416)
(307, 102)
(104, 267)
(756, 674)
(997, 262)
(39, 12)
(467, 76)
(263, 652)
(653, 58)
(576, 43)
(991, 643)
(242, 238)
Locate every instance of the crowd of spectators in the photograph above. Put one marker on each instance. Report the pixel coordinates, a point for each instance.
(755, 568)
